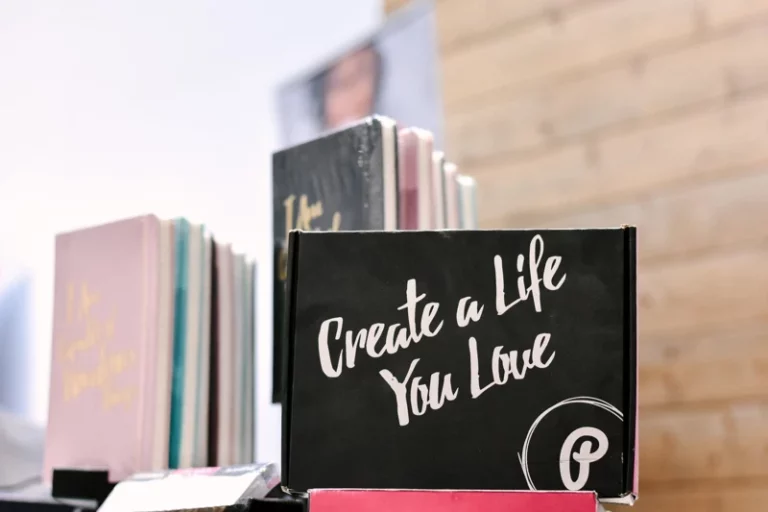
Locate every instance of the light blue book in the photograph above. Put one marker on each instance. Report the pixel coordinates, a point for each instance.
(179, 341)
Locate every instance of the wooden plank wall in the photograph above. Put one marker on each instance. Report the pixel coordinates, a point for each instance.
(654, 113)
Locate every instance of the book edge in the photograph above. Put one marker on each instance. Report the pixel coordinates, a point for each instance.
(290, 312)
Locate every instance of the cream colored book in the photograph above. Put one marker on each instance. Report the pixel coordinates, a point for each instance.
(452, 214)
(192, 345)
(226, 355)
(203, 368)
(249, 362)
(164, 368)
(468, 202)
(238, 363)
(438, 190)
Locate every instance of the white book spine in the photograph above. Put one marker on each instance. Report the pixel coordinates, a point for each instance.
(162, 416)
(467, 202)
(237, 362)
(192, 346)
(425, 192)
(452, 213)
(204, 373)
(438, 190)
(389, 157)
(225, 403)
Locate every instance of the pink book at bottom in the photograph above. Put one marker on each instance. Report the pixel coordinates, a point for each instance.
(103, 350)
(348, 500)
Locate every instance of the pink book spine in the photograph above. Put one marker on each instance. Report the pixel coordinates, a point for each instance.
(408, 169)
(149, 398)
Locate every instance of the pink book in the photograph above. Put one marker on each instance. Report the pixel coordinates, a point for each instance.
(415, 177)
(338, 500)
(105, 321)
(453, 216)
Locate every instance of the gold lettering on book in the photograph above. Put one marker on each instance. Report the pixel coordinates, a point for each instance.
(301, 218)
(97, 334)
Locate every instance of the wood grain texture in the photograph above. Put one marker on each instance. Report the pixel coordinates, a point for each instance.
(547, 47)
(462, 22)
(707, 144)
(681, 223)
(704, 445)
(717, 13)
(723, 498)
(726, 65)
(723, 365)
(691, 297)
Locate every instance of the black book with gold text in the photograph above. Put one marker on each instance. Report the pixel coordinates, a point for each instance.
(344, 180)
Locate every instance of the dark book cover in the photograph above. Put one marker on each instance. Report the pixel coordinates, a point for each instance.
(213, 362)
(345, 180)
(495, 360)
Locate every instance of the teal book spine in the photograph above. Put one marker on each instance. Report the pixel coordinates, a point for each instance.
(179, 340)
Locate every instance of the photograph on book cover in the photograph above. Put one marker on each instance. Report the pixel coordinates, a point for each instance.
(500, 360)
(393, 72)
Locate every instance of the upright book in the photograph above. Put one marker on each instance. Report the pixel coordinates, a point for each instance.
(438, 190)
(495, 360)
(104, 350)
(415, 179)
(153, 349)
(452, 213)
(467, 202)
(345, 180)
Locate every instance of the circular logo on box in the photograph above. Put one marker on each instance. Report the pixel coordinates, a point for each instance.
(575, 440)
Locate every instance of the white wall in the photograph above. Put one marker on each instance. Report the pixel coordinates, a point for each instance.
(110, 109)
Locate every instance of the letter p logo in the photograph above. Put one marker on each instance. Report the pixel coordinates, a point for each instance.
(585, 456)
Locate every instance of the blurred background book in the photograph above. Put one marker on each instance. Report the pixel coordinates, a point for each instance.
(393, 71)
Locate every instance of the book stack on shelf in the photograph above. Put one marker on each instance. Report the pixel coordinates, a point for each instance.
(370, 175)
(153, 348)
(425, 369)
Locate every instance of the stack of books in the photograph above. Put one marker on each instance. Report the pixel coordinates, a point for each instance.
(432, 193)
(370, 175)
(153, 349)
